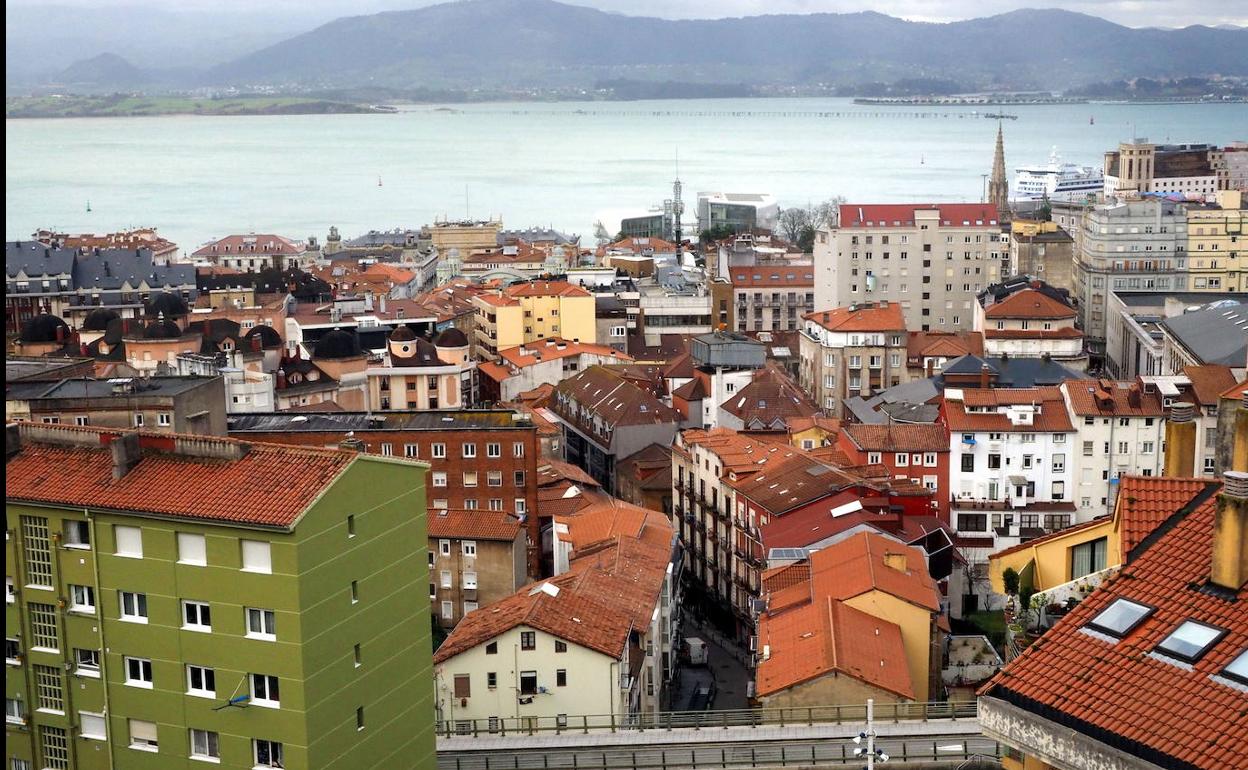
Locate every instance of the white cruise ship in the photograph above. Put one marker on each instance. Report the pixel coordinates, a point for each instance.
(1057, 180)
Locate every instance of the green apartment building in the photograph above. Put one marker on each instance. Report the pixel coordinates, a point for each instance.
(174, 600)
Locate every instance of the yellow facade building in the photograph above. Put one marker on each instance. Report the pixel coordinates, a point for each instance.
(528, 312)
(1217, 255)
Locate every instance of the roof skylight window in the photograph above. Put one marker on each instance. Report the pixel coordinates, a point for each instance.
(1238, 669)
(1190, 641)
(1120, 618)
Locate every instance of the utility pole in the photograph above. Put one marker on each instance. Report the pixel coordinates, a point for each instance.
(870, 751)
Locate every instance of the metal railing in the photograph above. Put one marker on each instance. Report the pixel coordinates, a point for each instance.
(730, 755)
(706, 720)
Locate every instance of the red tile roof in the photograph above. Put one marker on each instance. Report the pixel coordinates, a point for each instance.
(948, 345)
(252, 243)
(902, 214)
(614, 518)
(867, 317)
(828, 637)
(900, 437)
(1124, 694)
(473, 524)
(762, 276)
(616, 401)
(1052, 416)
(270, 485)
(1029, 304)
(1209, 382)
(626, 572)
(1097, 398)
(790, 479)
(1061, 533)
(1236, 391)
(1144, 502)
(769, 400)
(555, 348)
(546, 289)
(570, 615)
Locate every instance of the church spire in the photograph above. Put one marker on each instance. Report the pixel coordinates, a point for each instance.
(998, 186)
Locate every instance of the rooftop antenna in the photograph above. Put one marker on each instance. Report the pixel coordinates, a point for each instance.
(678, 204)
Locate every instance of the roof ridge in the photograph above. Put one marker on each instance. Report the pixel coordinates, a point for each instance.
(102, 431)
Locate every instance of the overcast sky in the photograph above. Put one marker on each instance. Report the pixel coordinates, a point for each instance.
(1134, 13)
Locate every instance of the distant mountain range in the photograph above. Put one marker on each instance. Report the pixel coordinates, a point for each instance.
(544, 45)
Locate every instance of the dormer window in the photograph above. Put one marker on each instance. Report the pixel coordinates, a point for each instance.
(1190, 641)
(1120, 618)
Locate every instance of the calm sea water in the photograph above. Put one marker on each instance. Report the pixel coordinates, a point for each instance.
(197, 178)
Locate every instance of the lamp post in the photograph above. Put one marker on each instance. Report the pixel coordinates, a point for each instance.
(869, 751)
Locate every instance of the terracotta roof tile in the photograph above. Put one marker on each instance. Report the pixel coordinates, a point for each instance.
(555, 348)
(1121, 691)
(1095, 398)
(769, 400)
(270, 485)
(867, 317)
(900, 437)
(1064, 333)
(1029, 304)
(827, 637)
(948, 345)
(1209, 382)
(474, 524)
(546, 289)
(605, 394)
(1052, 417)
(1144, 502)
(252, 243)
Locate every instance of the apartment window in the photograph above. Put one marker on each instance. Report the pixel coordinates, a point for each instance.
(1147, 447)
(138, 672)
(491, 679)
(470, 607)
(446, 578)
(204, 744)
(133, 606)
(1059, 463)
(517, 449)
(439, 451)
(439, 478)
(470, 580)
(38, 551)
(874, 458)
(518, 478)
(164, 419)
(968, 462)
(48, 693)
(463, 686)
(86, 662)
(528, 682)
(1087, 558)
(265, 691)
(261, 624)
(448, 610)
(201, 681)
(491, 648)
(196, 616)
(561, 646)
(350, 525)
(257, 556)
(470, 478)
(994, 461)
(493, 450)
(43, 626)
(1088, 447)
(82, 599)
(561, 678)
(267, 753)
(494, 478)
(528, 640)
(192, 549)
(470, 451)
(972, 522)
(129, 541)
(387, 449)
(901, 459)
(138, 420)
(77, 534)
(444, 547)
(411, 450)
(55, 744)
(1059, 490)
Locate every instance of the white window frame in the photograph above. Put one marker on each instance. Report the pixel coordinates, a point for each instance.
(448, 610)
(257, 556)
(267, 684)
(128, 541)
(143, 744)
(137, 612)
(82, 599)
(88, 669)
(470, 548)
(192, 549)
(146, 684)
(77, 534)
(211, 745)
(470, 580)
(439, 478)
(439, 451)
(469, 450)
(267, 620)
(276, 758)
(493, 449)
(200, 609)
(164, 419)
(204, 672)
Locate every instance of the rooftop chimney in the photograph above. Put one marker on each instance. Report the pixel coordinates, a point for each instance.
(126, 453)
(1181, 441)
(1239, 450)
(1230, 533)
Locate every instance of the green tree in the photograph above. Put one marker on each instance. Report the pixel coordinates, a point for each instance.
(1010, 578)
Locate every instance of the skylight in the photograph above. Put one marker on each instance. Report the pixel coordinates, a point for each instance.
(1238, 669)
(1190, 641)
(1120, 618)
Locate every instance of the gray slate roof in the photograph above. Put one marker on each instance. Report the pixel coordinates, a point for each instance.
(1215, 335)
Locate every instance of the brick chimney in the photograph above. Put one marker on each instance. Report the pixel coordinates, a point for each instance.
(1230, 533)
(126, 453)
(1181, 441)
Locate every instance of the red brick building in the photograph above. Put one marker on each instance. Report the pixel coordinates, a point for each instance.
(479, 459)
(918, 452)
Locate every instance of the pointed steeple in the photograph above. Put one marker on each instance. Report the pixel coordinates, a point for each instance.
(998, 186)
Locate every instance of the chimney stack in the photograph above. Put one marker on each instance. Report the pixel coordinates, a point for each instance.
(1239, 450)
(1181, 441)
(1230, 533)
(126, 453)
(984, 375)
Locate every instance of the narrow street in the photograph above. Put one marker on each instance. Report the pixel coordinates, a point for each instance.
(725, 668)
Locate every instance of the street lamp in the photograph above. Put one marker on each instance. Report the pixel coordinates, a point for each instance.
(869, 751)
